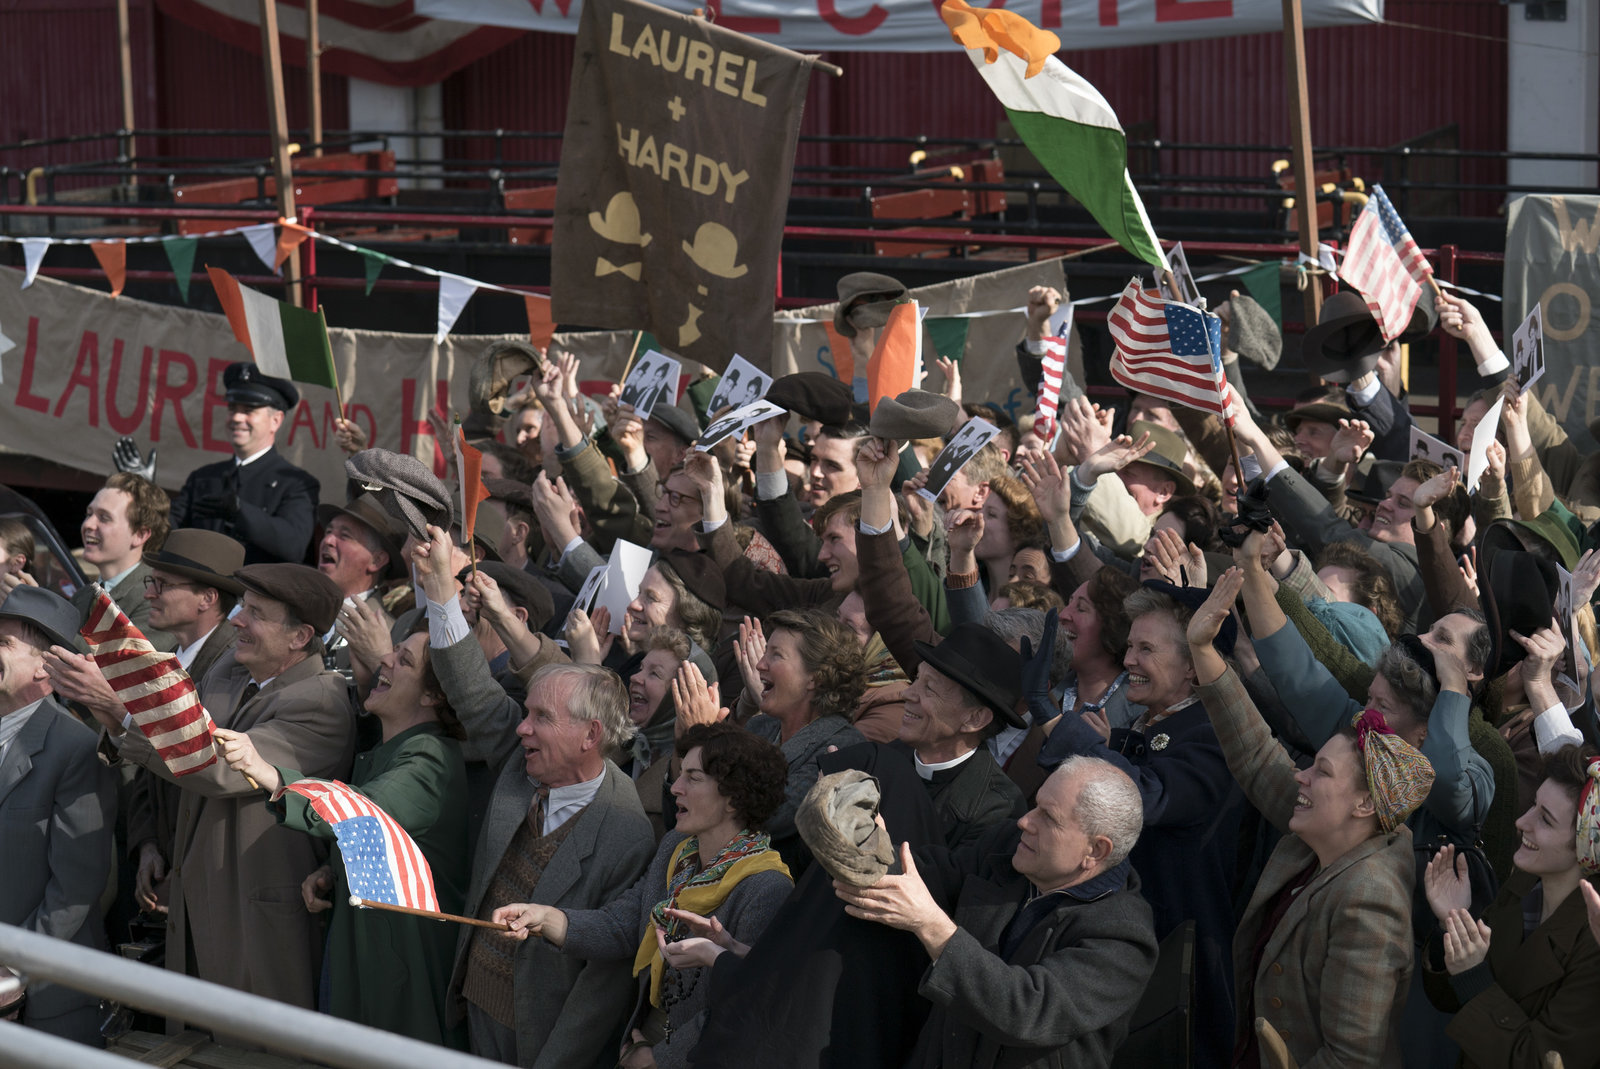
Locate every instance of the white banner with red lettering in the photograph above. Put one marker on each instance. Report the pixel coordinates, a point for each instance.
(915, 26)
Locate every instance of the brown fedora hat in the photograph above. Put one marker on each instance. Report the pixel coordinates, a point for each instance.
(1167, 451)
(206, 557)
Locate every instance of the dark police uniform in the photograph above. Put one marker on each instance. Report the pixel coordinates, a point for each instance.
(268, 504)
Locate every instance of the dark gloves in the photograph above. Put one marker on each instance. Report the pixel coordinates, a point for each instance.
(1254, 515)
(223, 506)
(1036, 667)
(125, 458)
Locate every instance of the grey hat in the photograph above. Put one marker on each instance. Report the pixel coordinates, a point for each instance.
(865, 298)
(1168, 450)
(206, 557)
(676, 420)
(915, 414)
(836, 821)
(48, 611)
(496, 368)
(1252, 333)
(407, 491)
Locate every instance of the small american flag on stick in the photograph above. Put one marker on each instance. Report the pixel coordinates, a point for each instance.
(1384, 263)
(1169, 350)
(382, 863)
(157, 693)
(1052, 366)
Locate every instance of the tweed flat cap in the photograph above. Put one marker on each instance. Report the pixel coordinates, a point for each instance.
(915, 414)
(700, 575)
(1252, 333)
(813, 395)
(521, 588)
(836, 822)
(309, 594)
(676, 420)
(865, 298)
(407, 491)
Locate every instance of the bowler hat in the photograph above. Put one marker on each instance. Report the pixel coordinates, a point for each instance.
(44, 609)
(1346, 341)
(1520, 595)
(207, 557)
(676, 420)
(915, 414)
(522, 589)
(310, 595)
(244, 384)
(620, 223)
(714, 250)
(984, 665)
(865, 298)
(407, 491)
(813, 395)
(1167, 450)
(366, 511)
(699, 575)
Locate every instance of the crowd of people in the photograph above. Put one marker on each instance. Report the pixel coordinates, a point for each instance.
(1127, 746)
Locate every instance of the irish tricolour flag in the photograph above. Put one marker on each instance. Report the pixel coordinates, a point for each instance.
(288, 342)
(1063, 120)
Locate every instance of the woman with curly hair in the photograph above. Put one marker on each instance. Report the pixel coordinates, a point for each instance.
(718, 862)
(809, 673)
(1011, 523)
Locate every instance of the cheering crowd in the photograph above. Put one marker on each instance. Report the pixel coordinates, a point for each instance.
(1116, 746)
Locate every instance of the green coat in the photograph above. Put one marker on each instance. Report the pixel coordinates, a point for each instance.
(386, 969)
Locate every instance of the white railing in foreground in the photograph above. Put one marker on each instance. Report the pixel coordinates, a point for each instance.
(274, 1025)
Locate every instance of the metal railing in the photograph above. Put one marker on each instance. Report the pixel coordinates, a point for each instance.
(275, 1025)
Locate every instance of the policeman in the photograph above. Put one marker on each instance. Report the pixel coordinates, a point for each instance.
(258, 497)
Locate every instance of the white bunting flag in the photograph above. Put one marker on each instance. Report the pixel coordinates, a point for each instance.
(32, 256)
(264, 240)
(454, 293)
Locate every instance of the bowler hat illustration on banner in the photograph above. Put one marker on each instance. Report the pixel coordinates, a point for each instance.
(620, 222)
(714, 251)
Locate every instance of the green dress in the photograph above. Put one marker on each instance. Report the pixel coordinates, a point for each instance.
(389, 970)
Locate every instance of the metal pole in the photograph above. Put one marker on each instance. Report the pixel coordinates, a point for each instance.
(288, 1029)
(313, 78)
(125, 69)
(27, 1048)
(278, 124)
(1294, 76)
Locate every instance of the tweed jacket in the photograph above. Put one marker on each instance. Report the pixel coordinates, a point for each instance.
(1530, 996)
(569, 1013)
(277, 506)
(56, 807)
(1063, 997)
(1333, 977)
(235, 902)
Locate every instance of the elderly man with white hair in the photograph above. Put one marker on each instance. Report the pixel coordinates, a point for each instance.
(1023, 923)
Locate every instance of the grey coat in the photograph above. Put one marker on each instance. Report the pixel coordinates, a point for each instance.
(613, 933)
(56, 804)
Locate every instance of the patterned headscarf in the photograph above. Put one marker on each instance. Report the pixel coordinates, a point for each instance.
(1589, 821)
(1398, 776)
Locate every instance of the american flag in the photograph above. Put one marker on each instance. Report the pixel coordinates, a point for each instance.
(381, 862)
(1169, 350)
(1053, 363)
(157, 693)
(1384, 263)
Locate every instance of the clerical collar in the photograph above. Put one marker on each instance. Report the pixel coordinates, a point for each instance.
(926, 771)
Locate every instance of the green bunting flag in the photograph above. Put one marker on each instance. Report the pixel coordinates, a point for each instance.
(1262, 283)
(373, 262)
(180, 254)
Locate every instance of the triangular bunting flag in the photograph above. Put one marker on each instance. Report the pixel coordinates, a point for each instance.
(540, 326)
(373, 263)
(264, 240)
(32, 255)
(469, 472)
(454, 293)
(948, 335)
(289, 239)
(180, 254)
(892, 368)
(113, 257)
(1262, 283)
(286, 341)
(6, 345)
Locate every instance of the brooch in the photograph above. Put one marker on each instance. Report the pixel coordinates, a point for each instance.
(1159, 743)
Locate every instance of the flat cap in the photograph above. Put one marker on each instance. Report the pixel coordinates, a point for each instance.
(676, 420)
(865, 298)
(1252, 333)
(813, 395)
(915, 414)
(407, 491)
(700, 576)
(244, 384)
(835, 820)
(309, 594)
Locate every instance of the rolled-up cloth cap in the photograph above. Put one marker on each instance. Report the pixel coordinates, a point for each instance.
(407, 491)
(836, 821)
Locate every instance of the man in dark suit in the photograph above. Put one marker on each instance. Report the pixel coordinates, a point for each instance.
(1040, 944)
(258, 497)
(56, 808)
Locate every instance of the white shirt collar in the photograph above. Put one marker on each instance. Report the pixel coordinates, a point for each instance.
(252, 458)
(11, 724)
(926, 771)
(565, 801)
(187, 654)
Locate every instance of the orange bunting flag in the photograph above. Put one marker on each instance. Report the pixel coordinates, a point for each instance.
(469, 470)
(290, 235)
(113, 257)
(892, 368)
(540, 326)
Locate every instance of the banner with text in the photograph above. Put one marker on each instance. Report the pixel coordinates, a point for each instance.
(1553, 260)
(915, 26)
(674, 182)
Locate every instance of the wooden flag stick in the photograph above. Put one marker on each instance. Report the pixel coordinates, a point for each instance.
(216, 744)
(638, 336)
(367, 903)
